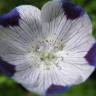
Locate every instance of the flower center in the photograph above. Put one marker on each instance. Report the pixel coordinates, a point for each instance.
(46, 56)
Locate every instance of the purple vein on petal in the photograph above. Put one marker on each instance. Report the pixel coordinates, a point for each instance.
(10, 19)
(56, 89)
(91, 56)
(6, 68)
(72, 11)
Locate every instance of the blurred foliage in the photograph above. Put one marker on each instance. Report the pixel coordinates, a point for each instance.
(9, 88)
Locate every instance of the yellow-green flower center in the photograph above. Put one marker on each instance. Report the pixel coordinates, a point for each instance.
(47, 56)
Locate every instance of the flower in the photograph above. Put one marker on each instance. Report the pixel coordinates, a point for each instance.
(47, 51)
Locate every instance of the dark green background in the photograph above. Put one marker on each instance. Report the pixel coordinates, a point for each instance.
(9, 88)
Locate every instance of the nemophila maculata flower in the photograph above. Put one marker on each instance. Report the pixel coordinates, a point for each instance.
(47, 51)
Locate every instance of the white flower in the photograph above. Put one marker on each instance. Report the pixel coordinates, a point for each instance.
(45, 50)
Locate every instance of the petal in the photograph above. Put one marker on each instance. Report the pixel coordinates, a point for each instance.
(30, 21)
(51, 16)
(81, 42)
(69, 63)
(40, 81)
(31, 79)
(91, 55)
(19, 30)
(54, 9)
(60, 27)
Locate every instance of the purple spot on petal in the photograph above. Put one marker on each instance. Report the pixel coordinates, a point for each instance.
(56, 89)
(10, 19)
(7, 68)
(91, 56)
(72, 11)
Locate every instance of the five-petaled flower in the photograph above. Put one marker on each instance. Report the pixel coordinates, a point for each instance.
(49, 50)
